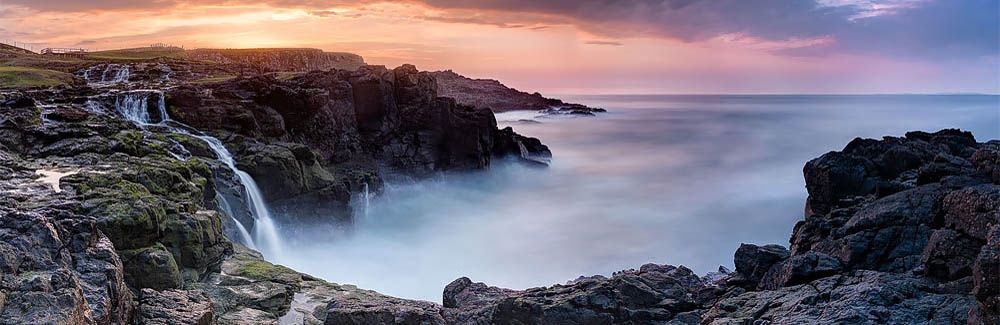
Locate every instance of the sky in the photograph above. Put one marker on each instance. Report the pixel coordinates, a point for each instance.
(576, 46)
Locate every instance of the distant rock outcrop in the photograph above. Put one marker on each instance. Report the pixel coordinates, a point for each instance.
(278, 59)
(488, 93)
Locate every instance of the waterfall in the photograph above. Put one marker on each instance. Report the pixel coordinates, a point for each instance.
(265, 232)
(133, 105)
(122, 75)
(367, 199)
(244, 235)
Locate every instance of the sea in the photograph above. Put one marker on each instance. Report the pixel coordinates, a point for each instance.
(666, 179)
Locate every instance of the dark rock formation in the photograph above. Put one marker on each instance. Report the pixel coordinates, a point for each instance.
(312, 139)
(57, 267)
(491, 94)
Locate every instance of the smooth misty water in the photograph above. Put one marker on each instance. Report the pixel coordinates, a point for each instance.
(665, 179)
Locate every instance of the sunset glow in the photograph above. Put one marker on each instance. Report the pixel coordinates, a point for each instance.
(571, 47)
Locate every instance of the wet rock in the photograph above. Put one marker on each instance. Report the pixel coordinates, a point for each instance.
(193, 307)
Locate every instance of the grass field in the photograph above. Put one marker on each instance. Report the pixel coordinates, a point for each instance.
(24, 77)
(142, 53)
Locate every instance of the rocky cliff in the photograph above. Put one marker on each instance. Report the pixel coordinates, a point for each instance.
(278, 59)
(488, 93)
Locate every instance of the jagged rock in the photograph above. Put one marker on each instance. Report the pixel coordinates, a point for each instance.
(57, 267)
(754, 261)
(654, 293)
(972, 210)
(799, 269)
(851, 298)
(987, 160)
(949, 254)
(986, 276)
(192, 307)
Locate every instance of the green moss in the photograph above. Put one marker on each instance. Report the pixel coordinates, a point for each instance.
(261, 270)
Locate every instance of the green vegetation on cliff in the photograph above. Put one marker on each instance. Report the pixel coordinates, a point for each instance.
(26, 77)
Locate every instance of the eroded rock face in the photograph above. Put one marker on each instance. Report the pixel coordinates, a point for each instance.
(57, 267)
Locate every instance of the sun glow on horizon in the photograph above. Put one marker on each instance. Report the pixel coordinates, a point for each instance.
(541, 47)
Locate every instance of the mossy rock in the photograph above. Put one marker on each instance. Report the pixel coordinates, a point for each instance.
(126, 211)
(196, 241)
(250, 264)
(151, 267)
(197, 147)
(135, 143)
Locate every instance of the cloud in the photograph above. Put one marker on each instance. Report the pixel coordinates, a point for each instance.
(931, 29)
(612, 43)
(925, 29)
(471, 20)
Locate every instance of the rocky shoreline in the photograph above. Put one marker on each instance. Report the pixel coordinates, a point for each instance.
(115, 210)
(898, 231)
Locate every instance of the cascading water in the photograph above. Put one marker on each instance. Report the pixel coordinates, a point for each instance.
(119, 73)
(244, 234)
(265, 232)
(133, 106)
(367, 199)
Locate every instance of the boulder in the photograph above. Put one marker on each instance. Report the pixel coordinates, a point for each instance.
(190, 307)
(754, 261)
